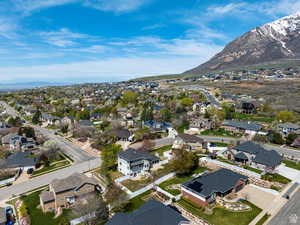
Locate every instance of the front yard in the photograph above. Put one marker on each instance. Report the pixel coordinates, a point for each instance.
(222, 216)
(276, 178)
(253, 169)
(220, 132)
(37, 216)
(292, 164)
(52, 167)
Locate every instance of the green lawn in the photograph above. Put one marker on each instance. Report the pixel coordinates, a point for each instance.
(226, 161)
(134, 185)
(219, 144)
(54, 166)
(253, 169)
(220, 132)
(275, 178)
(292, 164)
(221, 216)
(180, 180)
(263, 219)
(136, 202)
(257, 118)
(161, 150)
(37, 217)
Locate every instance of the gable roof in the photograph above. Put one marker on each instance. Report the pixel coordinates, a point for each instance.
(122, 133)
(71, 183)
(47, 196)
(242, 125)
(134, 155)
(19, 159)
(151, 213)
(289, 126)
(249, 147)
(190, 138)
(268, 158)
(220, 181)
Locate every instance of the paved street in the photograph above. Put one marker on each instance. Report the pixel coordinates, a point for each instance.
(34, 183)
(77, 154)
(290, 212)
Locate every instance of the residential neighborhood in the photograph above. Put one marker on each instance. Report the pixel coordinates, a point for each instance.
(125, 153)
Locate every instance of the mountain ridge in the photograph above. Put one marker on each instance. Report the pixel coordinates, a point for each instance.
(275, 41)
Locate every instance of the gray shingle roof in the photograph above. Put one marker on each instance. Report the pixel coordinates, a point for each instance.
(241, 155)
(133, 155)
(220, 181)
(249, 147)
(242, 125)
(19, 159)
(71, 183)
(268, 158)
(151, 213)
(190, 138)
(47, 196)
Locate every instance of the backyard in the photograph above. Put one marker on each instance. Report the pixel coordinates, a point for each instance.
(221, 216)
(36, 215)
(180, 180)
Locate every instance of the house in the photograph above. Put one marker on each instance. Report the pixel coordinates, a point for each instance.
(157, 126)
(151, 213)
(241, 127)
(68, 120)
(287, 128)
(20, 143)
(6, 139)
(201, 107)
(133, 162)
(200, 124)
(3, 217)
(3, 125)
(248, 107)
(20, 160)
(188, 142)
(65, 193)
(204, 189)
(256, 156)
(49, 119)
(123, 135)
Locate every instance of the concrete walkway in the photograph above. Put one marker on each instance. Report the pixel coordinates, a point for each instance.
(275, 206)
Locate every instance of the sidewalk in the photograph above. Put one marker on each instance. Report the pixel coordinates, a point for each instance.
(275, 206)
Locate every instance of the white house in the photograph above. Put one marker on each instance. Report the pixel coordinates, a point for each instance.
(134, 162)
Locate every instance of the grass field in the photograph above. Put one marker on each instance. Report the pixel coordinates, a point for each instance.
(292, 164)
(221, 216)
(276, 178)
(36, 215)
(263, 219)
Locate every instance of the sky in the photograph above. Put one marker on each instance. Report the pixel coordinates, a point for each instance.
(113, 40)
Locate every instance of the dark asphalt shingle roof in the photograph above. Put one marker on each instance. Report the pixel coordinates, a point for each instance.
(243, 125)
(122, 133)
(47, 196)
(241, 155)
(19, 159)
(249, 147)
(220, 181)
(134, 155)
(268, 158)
(151, 213)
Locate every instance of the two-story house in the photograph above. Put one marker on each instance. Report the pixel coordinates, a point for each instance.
(287, 128)
(65, 193)
(133, 162)
(241, 127)
(188, 142)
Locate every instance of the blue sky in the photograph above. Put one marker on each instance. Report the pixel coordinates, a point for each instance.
(110, 40)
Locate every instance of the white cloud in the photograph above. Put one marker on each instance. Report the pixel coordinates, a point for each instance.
(117, 6)
(62, 38)
(154, 26)
(101, 70)
(225, 9)
(281, 7)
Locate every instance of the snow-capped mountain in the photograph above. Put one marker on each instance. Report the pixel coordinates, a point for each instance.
(276, 41)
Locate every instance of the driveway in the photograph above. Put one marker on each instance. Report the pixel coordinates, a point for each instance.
(258, 196)
(290, 173)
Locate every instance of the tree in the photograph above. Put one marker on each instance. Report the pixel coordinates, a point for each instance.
(184, 162)
(27, 131)
(36, 117)
(109, 156)
(187, 102)
(276, 138)
(115, 195)
(129, 97)
(291, 138)
(166, 115)
(147, 114)
(64, 129)
(142, 133)
(260, 138)
(94, 210)
(286, 116)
